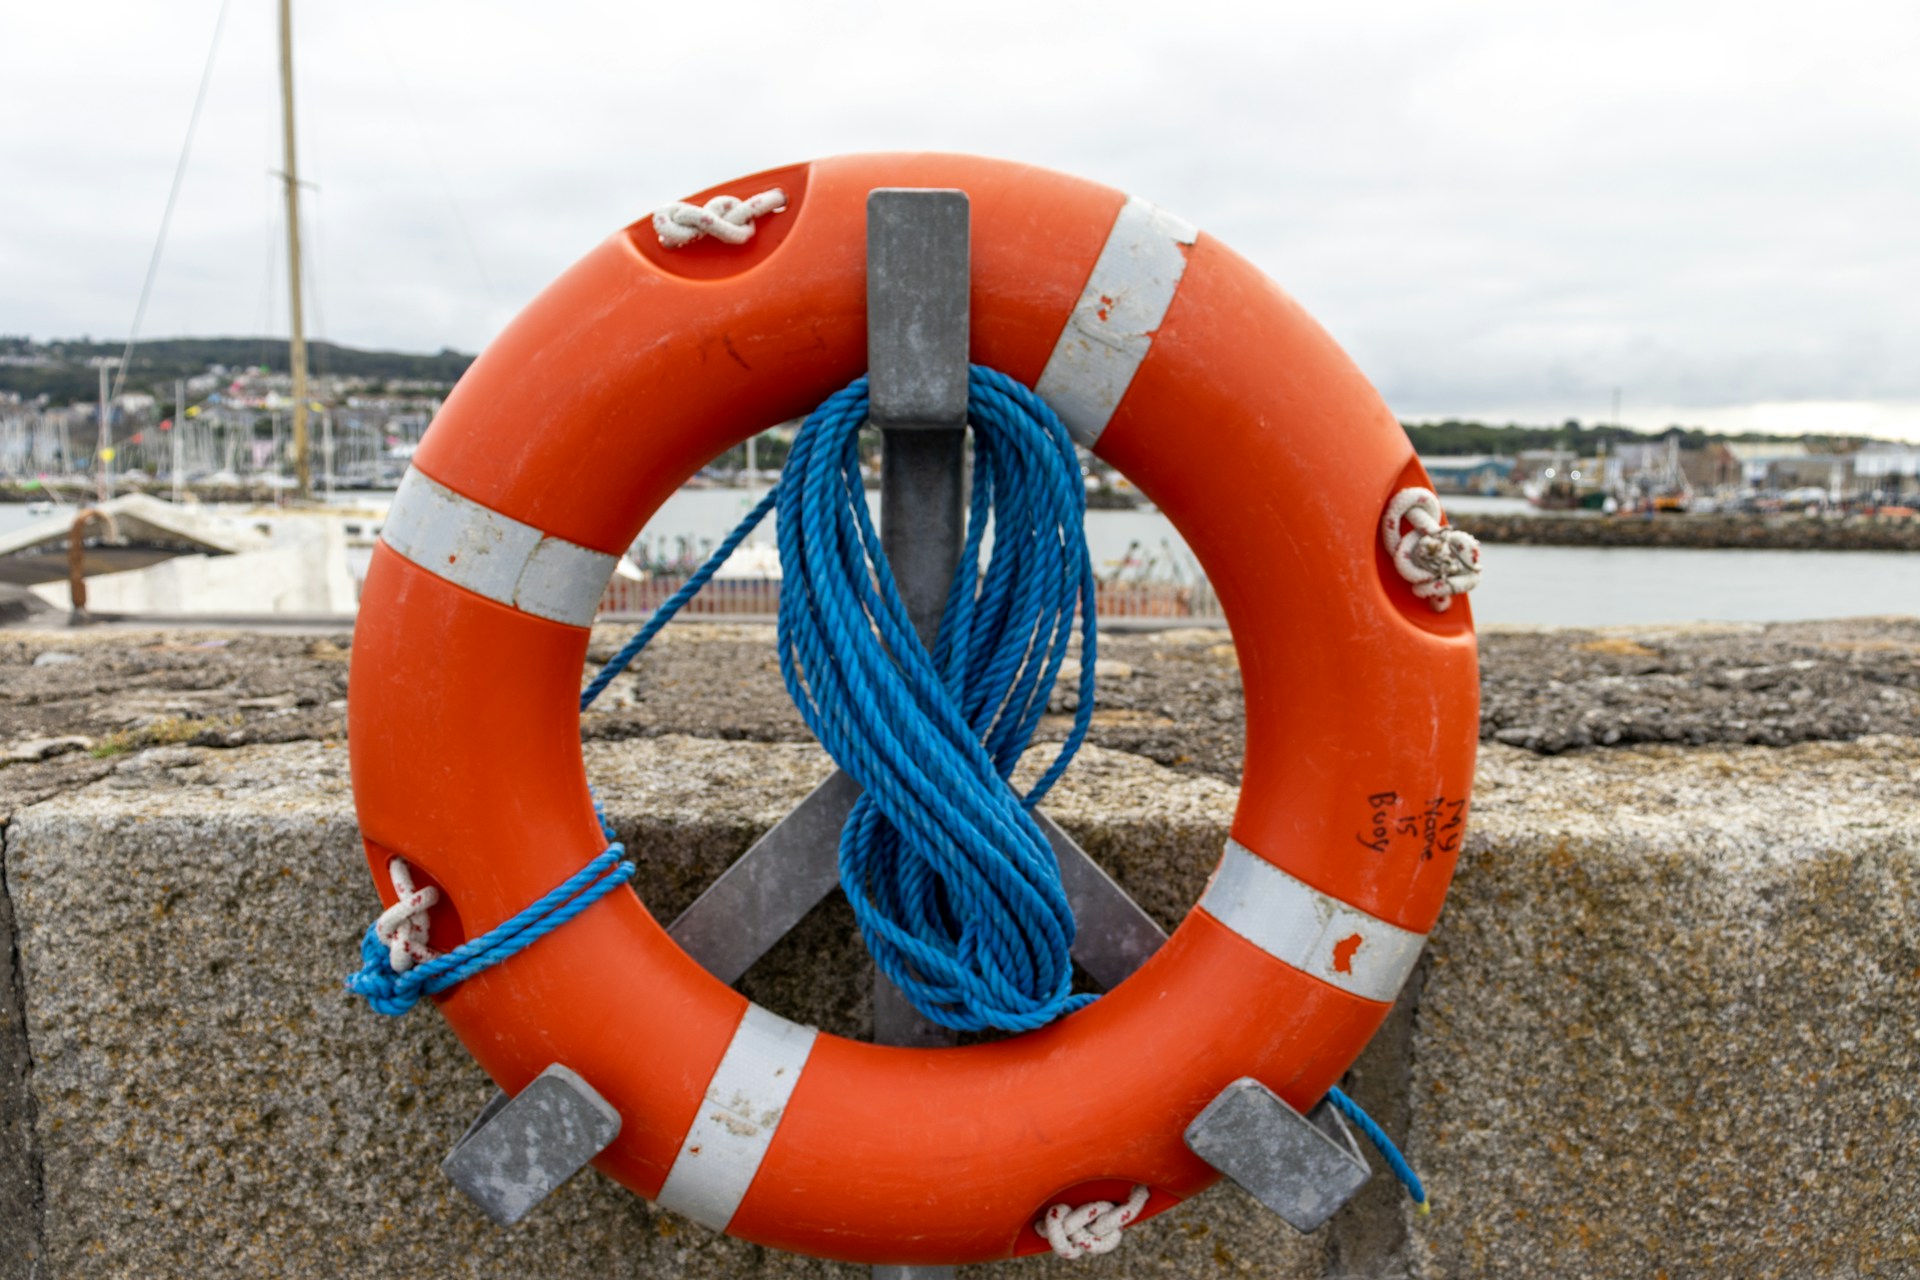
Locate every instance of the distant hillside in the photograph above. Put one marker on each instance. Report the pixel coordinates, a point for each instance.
(59, 369)
(65, 375)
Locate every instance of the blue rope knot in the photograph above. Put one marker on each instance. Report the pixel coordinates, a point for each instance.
(393, 993)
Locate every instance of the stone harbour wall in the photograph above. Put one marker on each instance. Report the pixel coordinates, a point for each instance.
(1669, 1023)
(1771, 532)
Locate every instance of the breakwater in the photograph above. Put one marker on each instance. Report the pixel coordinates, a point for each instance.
(1705, 532)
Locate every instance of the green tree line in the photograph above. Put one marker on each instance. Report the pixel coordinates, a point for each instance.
(158, 363)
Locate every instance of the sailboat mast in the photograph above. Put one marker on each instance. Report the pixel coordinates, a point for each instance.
(302, 470)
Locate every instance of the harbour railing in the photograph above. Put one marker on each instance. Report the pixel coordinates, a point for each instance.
(760, 598)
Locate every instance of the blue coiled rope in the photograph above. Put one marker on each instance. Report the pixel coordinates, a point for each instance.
(956, 889)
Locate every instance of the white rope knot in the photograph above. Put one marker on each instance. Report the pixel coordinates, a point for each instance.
(403, 926)
(1439, 560)
(727, 219)
(1092, 1229)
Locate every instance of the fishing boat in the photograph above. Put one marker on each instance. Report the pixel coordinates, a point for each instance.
(1564, 485)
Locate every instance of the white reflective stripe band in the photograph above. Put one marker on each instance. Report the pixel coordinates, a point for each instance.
(496, 556)
(737, 1118)
(1295, 923)
(1112, 326)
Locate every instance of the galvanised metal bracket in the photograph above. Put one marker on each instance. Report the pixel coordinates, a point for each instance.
(1304, 1168)
(518, 1151)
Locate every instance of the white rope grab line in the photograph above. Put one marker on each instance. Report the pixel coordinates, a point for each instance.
(1438, 560)
(727, 219)
(403, 926)
(1092, 1229)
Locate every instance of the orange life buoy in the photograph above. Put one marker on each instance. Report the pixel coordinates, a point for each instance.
(1176, 361)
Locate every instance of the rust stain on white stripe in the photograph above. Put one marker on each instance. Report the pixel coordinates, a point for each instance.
(1111, 327)
(744, 1104)
(494, 555)
(1314, 932)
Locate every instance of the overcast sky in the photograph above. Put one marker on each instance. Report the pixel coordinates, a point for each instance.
(1502, 210)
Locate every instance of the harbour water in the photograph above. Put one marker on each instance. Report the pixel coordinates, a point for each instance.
(1527, 586)
(1605, 586)
(1532, 586)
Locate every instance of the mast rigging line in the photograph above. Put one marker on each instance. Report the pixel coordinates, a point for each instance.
(385, 43)
(173, 196)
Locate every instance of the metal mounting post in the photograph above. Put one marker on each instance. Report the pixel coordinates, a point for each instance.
(918, 268)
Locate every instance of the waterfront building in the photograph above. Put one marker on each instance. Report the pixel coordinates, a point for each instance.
(1469, 473)
(1890, 470)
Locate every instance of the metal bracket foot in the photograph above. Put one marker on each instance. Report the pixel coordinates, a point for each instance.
(1304, 1168)
(518, 1151)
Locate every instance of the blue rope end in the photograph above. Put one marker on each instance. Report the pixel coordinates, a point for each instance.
(1402, 1170)
(392, 993)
